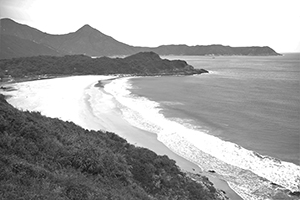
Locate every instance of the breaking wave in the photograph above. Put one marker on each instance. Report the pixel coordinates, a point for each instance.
(251, 175)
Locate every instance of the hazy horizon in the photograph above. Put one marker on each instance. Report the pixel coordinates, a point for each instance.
(151, 24)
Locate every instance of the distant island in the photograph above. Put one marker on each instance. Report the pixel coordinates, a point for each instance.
(18, 40)
(140, 64)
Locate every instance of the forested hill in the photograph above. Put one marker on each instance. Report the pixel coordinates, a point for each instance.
(145, 63)
(46, 158)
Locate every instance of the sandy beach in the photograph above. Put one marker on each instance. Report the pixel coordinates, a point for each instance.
(69, 99)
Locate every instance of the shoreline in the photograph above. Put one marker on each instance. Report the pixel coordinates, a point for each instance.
(56, 104)
(251, 176)
(150, 141)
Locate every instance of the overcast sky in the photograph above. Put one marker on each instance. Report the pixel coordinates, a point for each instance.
(274, 23)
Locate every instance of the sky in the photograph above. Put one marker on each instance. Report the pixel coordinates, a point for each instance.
(274, 23)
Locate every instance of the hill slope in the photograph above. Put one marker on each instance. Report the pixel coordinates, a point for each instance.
(91, 42)
(12, 46)
(45, 158)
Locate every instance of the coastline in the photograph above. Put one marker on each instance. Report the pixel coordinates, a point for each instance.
(252, 175)
(68, 99)
(150, 141)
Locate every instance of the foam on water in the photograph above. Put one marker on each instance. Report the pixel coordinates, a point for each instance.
(248, 173)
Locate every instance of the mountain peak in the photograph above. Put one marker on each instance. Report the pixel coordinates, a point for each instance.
(86, 28)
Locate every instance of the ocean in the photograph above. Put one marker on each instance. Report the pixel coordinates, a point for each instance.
(241, 121)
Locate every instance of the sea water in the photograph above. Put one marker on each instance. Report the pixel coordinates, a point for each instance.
(241, 120)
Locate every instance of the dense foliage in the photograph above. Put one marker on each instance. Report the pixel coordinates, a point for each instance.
(46, 158)
(146, 63)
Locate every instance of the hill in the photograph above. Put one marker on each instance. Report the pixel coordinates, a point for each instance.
(144, 63)
(85, 40)
(12, 46)
(90, 41)
(46, 158)
(216, 50)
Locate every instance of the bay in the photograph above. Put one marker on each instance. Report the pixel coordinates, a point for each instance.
(251, 101)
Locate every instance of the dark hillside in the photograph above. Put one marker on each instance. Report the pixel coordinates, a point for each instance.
(45, 158)
(146, 63)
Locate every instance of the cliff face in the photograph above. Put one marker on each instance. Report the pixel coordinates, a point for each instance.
(92, 42)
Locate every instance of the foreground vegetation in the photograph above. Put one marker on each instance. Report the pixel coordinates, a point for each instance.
(46, 158)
